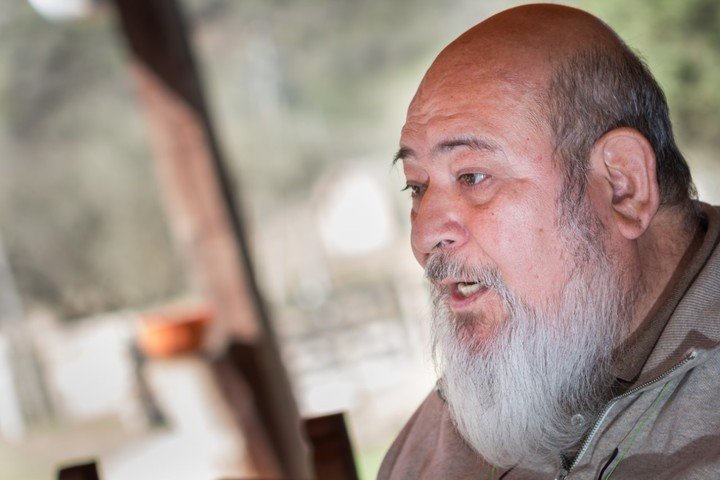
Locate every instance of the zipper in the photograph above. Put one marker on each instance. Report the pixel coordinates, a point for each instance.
(564, 472)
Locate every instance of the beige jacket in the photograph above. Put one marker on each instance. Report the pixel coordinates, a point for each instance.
(667, 426)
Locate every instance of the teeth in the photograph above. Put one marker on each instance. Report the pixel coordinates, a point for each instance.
(467, 289)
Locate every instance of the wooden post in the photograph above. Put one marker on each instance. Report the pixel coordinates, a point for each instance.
(197, 192)
(85, 471)
(332, 452)
(203, 212)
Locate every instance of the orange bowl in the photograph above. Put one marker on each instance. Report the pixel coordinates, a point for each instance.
(173, 331)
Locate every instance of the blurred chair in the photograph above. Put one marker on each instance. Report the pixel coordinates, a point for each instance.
(247, 387)
(331, 448)
(85, 471)
(331, 451)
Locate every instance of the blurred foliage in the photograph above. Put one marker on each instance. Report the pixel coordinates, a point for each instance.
(79, 214)
(681, 43)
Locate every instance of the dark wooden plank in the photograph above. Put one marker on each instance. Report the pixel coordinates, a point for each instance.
(332, 450)
(85, 471)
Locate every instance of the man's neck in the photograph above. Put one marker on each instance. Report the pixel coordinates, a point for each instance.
(664, 251)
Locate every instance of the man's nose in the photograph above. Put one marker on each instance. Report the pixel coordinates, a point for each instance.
(437, 224)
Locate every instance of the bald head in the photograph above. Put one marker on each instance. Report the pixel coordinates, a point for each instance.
(519, 45)
(541, 29)
(576, 77)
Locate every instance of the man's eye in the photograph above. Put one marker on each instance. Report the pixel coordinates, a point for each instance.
(414, 190)
(472, 178)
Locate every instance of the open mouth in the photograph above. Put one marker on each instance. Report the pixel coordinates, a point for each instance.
(465, 289)
(462, 293)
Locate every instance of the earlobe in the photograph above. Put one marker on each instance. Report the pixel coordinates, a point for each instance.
(627, 161)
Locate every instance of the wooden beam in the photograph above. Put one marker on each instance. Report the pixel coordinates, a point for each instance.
(203, 212)
(198, 195)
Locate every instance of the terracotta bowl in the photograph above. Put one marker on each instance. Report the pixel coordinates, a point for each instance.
(173, 331)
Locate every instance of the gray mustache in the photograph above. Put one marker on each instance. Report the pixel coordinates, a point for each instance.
(442, 266)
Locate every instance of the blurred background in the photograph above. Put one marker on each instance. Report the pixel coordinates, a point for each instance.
(306, 99)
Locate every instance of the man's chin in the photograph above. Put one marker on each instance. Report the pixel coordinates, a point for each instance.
(475, 326)
(474, 332)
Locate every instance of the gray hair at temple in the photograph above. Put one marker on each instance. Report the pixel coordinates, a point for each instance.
(598, 89)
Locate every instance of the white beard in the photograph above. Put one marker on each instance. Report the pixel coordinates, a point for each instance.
(515, 398)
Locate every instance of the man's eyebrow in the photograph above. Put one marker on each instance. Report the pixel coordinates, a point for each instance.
(470, 141)
(402, 154)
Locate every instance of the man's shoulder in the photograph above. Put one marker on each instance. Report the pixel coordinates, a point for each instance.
(428, 446)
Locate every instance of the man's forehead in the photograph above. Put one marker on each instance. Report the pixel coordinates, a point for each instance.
(486, 56)
(460, 81)
(465, 107)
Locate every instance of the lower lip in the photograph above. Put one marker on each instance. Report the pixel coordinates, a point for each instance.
(458, 301)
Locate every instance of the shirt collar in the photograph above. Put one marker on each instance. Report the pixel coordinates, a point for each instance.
(637, 348)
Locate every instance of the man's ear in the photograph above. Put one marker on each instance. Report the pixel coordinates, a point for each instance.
(625, 161)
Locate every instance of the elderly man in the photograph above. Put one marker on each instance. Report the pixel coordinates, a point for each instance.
(576, 282)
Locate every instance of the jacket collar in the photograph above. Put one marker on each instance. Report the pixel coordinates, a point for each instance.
(695, 322)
